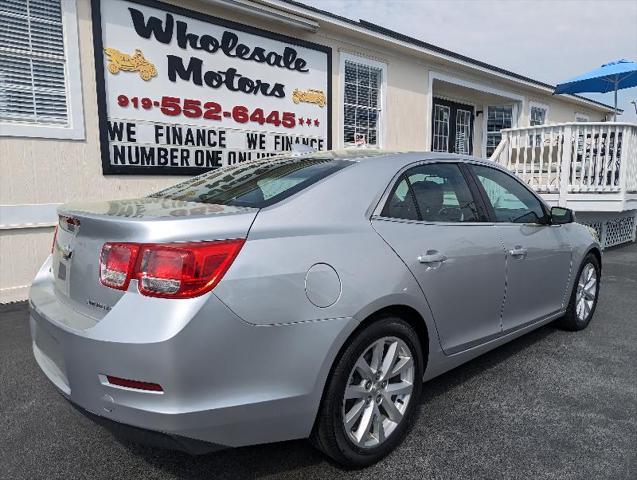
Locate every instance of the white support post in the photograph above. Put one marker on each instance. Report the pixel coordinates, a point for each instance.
(506, 148)
(565, 166)
(627, 157)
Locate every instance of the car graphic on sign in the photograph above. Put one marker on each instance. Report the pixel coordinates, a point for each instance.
(119, 61)
(309, 96)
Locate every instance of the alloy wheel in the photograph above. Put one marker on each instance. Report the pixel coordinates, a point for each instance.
(586, 292)
(378, 392)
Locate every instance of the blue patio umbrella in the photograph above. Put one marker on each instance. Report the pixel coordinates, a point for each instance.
(609, 77)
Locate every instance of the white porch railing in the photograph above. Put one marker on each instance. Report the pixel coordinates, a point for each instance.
(572, 159)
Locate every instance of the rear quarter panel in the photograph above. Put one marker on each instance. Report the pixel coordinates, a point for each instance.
(328, 223)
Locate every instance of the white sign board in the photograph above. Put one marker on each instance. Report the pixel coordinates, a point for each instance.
(181, 92)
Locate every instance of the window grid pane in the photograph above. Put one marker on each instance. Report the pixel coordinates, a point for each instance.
(537, 116)
(361, 103)
(441, 128)
(32, 62)
(463, 131)
(498, 118)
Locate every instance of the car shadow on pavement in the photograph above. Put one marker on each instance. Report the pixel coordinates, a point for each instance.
(246, 462)
(465, 372)
(293, 456)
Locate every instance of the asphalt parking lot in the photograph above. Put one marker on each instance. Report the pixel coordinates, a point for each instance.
(551, 404)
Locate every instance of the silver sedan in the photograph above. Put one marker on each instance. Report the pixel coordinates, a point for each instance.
(304, 296)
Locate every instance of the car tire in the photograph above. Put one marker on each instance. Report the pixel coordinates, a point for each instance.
(331, 435)
(583, 301)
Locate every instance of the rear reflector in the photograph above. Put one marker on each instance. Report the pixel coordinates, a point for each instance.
(172, 270)
(136, 384)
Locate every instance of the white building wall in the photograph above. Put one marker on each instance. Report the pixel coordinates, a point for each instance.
(42, 172)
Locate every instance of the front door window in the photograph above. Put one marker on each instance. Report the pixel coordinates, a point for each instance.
(510, 200)
(452, 127)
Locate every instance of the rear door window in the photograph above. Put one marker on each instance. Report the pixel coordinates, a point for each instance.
(255, 184)
(433, 193)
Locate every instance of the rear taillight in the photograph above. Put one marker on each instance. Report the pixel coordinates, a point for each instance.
(117, 262)
(173, 270)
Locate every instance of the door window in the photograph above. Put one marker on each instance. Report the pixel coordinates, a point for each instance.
(432, 193)
(512, 202)
(452, 127)
(441, 128)
(463, 132)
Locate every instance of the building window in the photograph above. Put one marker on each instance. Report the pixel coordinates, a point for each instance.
(362, 102)
(498, 118)
(35, 83)
(582, 118)
(537, 116)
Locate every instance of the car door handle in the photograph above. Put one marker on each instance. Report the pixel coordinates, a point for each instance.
(432, 256)
(518, 252)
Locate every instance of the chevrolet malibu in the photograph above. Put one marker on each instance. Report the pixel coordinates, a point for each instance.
(301, 296)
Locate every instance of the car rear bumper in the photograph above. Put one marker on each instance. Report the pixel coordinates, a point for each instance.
(151, 438)
(224, 381)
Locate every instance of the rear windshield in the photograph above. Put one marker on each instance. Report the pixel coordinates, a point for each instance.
(255, 184)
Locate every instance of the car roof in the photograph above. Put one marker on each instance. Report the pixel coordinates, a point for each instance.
(397, 159)
(401, 159)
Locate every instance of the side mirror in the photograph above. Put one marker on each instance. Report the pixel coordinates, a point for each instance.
(561, 215)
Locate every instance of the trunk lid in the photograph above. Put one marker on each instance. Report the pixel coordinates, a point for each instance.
(83, 228)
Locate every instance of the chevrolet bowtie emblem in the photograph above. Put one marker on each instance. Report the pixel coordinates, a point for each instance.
(66, 252)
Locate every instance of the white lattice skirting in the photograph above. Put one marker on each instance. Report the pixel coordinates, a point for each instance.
(612, 228)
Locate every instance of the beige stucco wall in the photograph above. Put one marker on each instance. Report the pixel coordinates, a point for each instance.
(35, 171)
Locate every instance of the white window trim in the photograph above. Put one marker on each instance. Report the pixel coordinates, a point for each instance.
(485, 114)
(542, 106)
(381, 99)
(75, 128)
(582, 115)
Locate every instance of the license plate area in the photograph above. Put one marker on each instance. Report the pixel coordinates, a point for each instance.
(63, 249)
